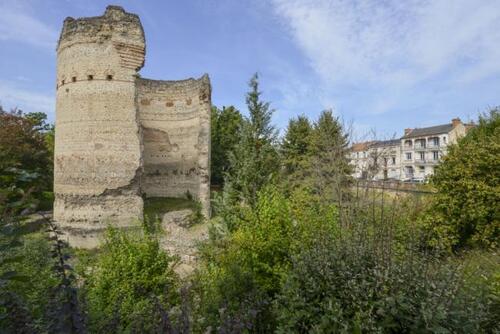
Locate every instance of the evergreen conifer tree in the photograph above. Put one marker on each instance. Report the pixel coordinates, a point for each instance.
(254, 160)
(296, 152)
(226, 129)
(330, 165)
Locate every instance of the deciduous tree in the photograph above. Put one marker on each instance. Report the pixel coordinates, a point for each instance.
(466, 208)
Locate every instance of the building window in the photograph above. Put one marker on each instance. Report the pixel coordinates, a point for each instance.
(408, 143)
(73, 79)
(357, 155)
(90, 77)
(435, 141)
(109, 77)
(435, 155)
(444, 140)
(421, 169)
(422, 156)
(408, 156)
(393, 160)
(62, 82)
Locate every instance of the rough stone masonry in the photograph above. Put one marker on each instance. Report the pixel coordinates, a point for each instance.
(120, 137)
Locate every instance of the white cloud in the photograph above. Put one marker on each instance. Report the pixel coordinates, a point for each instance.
(11, 96)
(395, 43)
(18, 25)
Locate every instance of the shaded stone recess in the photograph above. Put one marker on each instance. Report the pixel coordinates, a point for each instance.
(119, 137)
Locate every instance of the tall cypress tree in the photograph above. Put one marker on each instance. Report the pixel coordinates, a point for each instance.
(254, 160)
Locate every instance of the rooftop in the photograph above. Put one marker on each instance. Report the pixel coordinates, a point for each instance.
(385, 143)
(358, 147)
(432, 130)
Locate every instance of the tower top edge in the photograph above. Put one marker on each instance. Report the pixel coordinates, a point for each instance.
(114, 16)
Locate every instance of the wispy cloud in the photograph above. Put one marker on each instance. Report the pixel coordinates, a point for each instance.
(395, 42)
(18, 25)
(13, 95)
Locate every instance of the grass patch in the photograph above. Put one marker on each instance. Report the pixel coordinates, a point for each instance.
(156, 207)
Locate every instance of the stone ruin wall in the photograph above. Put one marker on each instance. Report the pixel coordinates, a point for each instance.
(101, 151)
(175, 120)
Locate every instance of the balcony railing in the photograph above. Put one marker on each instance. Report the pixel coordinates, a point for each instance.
(426, 161)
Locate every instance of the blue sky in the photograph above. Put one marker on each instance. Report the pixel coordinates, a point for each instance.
(381, 65)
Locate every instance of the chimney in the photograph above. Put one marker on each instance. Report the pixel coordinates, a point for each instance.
(456, 121)
(407, 131)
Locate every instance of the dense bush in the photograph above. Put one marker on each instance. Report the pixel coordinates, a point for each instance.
(242, 271)
(33, 262)
(131, 285)
(344, 285)
(466, 208)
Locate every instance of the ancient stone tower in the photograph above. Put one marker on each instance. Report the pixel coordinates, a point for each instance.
(119, 137)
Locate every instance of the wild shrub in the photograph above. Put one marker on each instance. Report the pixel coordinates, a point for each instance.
(241, 274)
(133, 276)
(34, 262)
(366, 281)
(243, 271)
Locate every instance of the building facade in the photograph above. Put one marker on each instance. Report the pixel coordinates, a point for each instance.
(413, 157)
(376, 160)
(423, 148)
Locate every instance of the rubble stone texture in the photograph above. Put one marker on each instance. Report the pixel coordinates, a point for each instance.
(120, 137)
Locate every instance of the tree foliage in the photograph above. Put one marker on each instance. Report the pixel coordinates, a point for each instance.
(465, 211)
(225, 134)
(330, 164)
(25, 158)
(254, 160)
(242, 274)
(296, 152)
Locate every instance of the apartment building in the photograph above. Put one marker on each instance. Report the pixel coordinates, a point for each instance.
(411, 157)
(360, 159)
(377, 160)
(423, 148)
